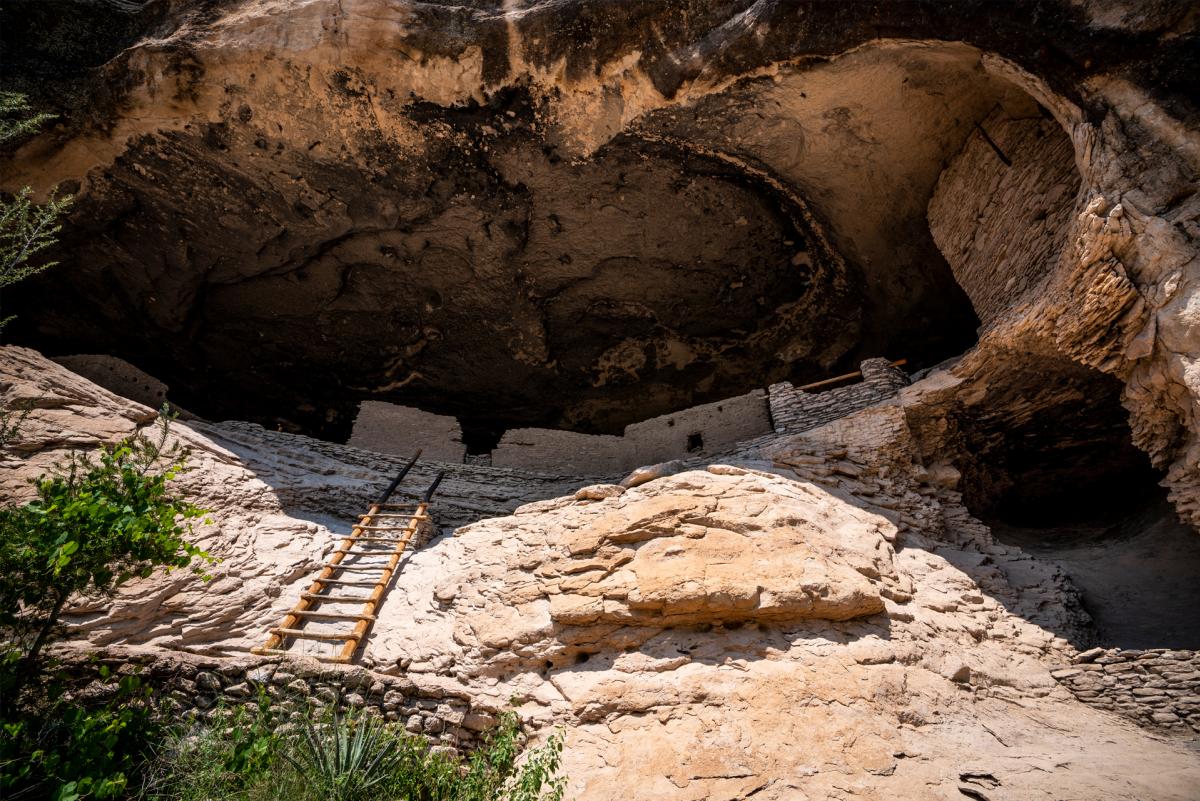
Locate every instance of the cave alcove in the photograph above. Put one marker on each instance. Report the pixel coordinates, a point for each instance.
(491, 274)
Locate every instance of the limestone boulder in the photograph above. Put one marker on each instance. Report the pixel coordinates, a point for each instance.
(712, 549)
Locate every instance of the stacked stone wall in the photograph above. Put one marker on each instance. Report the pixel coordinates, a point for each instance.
(1157, 687)
(979, 196)
(794, 410)
(391, 428)
(707, 429)
(548, 449)
(118, 377)
(189, 687)
(701, 430)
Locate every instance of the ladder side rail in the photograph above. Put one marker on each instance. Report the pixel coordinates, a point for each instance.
(290, 620)
(387, 493)
(372, 602)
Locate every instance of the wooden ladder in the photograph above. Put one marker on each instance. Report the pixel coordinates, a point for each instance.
(385, 524)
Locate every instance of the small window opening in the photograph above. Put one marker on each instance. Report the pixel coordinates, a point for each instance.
(695, 442)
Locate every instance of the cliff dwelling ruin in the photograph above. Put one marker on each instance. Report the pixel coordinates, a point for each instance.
(832, 358)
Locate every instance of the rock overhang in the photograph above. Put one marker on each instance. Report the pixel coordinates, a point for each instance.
(426, 198)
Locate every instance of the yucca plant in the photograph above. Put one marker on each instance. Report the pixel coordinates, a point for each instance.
(343, 758)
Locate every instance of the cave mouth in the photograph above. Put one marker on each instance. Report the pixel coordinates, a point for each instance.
(511, 288)
(1132, 559)
(1061, 479)
(773, 230)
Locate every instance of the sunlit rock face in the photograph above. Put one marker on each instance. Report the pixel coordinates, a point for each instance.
(578, 215)
(821, 618)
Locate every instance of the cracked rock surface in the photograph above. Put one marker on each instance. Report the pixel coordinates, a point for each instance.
(817, 617)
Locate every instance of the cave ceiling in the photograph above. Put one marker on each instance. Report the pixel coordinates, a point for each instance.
(535, 223)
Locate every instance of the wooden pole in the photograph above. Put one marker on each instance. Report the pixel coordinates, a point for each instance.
(840, 378)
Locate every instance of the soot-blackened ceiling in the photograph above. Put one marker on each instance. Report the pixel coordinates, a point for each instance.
(306, 250)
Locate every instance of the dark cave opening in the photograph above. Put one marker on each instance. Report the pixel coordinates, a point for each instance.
(1061, 479)
(493, 281)
(480, 436)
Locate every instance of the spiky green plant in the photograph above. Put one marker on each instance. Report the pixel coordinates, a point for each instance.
(345, 757)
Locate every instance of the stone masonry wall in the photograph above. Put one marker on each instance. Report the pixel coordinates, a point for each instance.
(391, 428)
(706, 429)
(118, 377)
(187, 687)
(1157, 687)
(794, 410)
(547, 449)
(979, 199)
(719, 426)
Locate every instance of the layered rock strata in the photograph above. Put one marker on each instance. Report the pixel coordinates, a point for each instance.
(824, 603)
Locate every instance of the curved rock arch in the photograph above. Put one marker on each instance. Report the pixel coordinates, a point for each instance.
(248, 75)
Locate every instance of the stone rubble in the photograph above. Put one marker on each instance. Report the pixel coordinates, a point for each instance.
(1157, 687)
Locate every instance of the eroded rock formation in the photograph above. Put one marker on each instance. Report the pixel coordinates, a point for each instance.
(823, 600)
(292, 207)
(581, 214)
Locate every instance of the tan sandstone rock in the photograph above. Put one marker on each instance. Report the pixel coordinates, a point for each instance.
(766, 632)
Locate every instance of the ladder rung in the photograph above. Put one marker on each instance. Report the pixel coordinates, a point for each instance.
(362, 568)
(341, 599)
(361, 552)
(364, 538)
(258, 649)
(300, 634)
(344, 583)
(380, 566)
(379, 528)
(331, 615)
(376, 552)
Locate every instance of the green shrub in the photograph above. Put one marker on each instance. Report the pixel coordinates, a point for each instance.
(94, 525)
(96, 522)
(492, 771)
(64, 751)
(331, 756)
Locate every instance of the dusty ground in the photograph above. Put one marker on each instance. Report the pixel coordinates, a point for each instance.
(1137, 576)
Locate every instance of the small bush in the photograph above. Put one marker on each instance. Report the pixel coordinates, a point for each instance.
(333, 756)
(65, 751)
(96, 522)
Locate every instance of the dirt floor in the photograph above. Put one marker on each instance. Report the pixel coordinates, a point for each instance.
(1137, 576)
